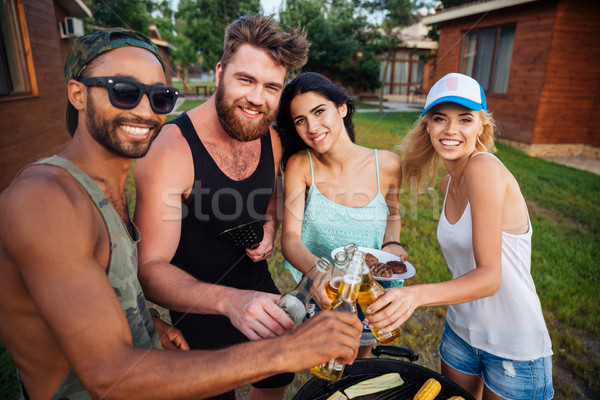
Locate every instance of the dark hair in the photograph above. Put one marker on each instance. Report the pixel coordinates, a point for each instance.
(288, 49)
(306, 83)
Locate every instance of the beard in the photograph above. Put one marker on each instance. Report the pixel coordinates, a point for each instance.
(105, 133)
(236, 128)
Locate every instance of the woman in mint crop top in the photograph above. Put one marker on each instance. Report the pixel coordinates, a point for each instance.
(336, 192)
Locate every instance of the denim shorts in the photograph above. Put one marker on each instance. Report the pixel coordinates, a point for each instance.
(507, 378)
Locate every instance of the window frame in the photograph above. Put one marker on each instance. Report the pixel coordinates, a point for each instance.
(402, 55)
(29, 68)
(462, 67)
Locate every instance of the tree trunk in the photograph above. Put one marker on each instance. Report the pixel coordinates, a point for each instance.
(385, 70)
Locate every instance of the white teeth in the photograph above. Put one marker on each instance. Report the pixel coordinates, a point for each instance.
(135, 130)
(447, 142)
(251, 112)
(320, 137)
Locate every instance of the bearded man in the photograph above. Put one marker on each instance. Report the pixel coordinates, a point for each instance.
(74, 318)
(214, 168)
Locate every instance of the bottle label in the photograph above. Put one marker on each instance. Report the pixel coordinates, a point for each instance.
(293, 307)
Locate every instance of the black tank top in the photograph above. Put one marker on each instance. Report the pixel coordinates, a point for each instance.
(217, 203)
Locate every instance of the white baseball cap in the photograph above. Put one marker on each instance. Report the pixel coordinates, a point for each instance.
(456, 88)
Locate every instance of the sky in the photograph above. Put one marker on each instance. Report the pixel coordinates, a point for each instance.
(271, 6)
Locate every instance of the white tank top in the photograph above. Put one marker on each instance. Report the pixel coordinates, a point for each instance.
(510, 323)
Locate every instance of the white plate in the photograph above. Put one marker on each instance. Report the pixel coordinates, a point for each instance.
(384, 257)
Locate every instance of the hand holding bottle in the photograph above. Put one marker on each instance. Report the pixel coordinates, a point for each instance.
(328, 335)
(391, 310)
(256, 314)
(295, 301)
(344, 302)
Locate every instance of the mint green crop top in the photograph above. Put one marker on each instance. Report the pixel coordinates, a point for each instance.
(328, 225)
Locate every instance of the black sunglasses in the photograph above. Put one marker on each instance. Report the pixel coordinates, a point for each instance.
(126, 93)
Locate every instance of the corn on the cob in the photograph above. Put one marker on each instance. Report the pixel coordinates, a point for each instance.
(337, 396)
(456, 398)
(374, 385)
(429, 390)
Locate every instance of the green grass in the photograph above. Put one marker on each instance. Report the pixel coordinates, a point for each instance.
(190, 104)
(564, 206)
(369, 106)
(382, 131)
(8, 382)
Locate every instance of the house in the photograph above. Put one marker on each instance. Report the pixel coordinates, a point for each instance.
(36, 38)
(410, 68)
(539, 64)
(165, 49)
(32, 84)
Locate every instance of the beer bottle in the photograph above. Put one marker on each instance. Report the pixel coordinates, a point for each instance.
(340, 262)
(345, 301)
(295, 302)
(371, 290)
(350, 248)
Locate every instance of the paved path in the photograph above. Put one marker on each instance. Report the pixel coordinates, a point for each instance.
(580, 162)
(392, 106)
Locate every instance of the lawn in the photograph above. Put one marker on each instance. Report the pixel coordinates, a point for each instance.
(564, 206)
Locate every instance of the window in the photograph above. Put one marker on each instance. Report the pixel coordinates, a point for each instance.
(15, 55)
(402, 73)
(486, 56)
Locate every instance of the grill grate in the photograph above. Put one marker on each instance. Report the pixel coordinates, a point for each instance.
(404, 392)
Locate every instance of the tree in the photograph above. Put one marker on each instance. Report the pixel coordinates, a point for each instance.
(134, 14)
(434, 31)
(203, 23)
(340, 37)
(396, 14)
(185, 54)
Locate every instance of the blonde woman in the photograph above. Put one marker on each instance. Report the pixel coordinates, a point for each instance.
(495, 342)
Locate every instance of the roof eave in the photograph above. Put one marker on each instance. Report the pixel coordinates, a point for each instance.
(77, 8)
(471, 9)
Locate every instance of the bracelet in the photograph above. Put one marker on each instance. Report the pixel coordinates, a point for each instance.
(154, 313)
(391, 242)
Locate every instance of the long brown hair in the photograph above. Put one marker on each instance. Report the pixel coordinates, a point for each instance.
(420, 158)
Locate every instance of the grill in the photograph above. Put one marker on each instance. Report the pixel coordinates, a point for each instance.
(413, 375)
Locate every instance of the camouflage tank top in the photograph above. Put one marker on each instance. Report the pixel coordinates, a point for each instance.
(122, 273)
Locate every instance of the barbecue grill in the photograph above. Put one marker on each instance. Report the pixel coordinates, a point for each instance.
(414, 377)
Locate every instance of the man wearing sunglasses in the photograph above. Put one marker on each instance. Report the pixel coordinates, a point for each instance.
(74, 318)
(212, 169)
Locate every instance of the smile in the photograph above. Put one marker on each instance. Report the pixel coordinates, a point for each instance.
(449, 142)
(249, 111)
(319, 138)
(135, 131)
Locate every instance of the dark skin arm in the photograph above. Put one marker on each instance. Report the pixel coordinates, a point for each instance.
(56, 245)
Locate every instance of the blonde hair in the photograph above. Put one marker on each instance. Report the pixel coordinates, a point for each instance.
(420, 158)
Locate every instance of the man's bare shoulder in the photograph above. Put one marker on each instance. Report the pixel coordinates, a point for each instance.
(169, 157)
(169, 142)
(44, 200)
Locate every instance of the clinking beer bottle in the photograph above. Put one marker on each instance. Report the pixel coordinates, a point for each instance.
(340, 263)
(345, 301)
(370, 291)
(295, 302)
(350, 248)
